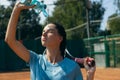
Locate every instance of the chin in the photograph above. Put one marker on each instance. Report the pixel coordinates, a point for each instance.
(43, 44)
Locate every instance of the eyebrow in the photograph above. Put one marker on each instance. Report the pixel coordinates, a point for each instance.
(50, 29)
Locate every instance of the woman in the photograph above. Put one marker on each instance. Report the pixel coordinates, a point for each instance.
(52, 65)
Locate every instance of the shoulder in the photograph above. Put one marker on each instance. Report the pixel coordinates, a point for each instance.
(32, 53)
(70, 65)
(34, 56)
(73, 69)
(70, 62)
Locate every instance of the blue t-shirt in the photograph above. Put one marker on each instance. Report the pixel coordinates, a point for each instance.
(41, 69)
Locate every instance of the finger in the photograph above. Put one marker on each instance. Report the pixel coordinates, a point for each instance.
(93, 63)
(90, 62)
(23, 6)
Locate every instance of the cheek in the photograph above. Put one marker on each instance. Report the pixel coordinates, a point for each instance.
(54, 39)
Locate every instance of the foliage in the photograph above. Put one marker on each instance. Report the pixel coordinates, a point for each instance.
(68, 13)
(114, 24)
(28, 26)
(72, 13)
(96, 13)
(4, 17)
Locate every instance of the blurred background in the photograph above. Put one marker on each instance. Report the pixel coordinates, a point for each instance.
(92, 28)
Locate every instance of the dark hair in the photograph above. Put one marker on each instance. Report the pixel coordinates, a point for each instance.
(62, 32)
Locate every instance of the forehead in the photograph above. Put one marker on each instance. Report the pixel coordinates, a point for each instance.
(50, 27)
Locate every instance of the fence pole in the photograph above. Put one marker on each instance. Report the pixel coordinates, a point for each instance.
(107, 54)
(114, 53)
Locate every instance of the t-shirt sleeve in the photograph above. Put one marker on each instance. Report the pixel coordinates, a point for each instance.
(33, 64)
(33, 58)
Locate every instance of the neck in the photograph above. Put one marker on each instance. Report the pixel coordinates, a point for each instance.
(53, 55)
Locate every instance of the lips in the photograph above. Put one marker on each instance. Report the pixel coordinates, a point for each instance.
(43, 39)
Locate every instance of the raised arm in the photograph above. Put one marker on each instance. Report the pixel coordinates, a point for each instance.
(10, 37)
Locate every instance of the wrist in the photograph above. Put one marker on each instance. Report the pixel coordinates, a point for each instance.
(17, 8)
(90, 75)
(79, 60)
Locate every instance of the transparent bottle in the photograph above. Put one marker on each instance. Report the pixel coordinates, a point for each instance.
(40, 6)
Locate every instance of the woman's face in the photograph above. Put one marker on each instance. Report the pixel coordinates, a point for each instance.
(50, 36)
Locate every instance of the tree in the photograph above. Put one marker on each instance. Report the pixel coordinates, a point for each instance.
(117, 3)
(69, 13)
(114, 24)
(72, 13)
(4, 17)
(28, 26)
(96, 13)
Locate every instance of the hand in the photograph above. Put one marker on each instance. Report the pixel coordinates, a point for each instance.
(89, 64)
(21, 6)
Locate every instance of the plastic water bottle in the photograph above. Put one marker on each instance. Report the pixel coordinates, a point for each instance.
(40, 6)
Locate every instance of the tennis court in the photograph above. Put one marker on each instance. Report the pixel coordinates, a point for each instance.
(101, 74)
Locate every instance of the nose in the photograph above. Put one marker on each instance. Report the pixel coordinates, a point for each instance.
(44, 33)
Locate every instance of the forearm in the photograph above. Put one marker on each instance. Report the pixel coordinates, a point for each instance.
(90, 75)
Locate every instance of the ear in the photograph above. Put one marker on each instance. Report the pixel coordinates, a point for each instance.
(60, 38)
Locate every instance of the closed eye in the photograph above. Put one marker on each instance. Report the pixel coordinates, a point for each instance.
(48, 31)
